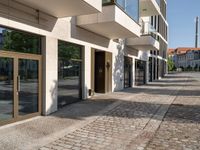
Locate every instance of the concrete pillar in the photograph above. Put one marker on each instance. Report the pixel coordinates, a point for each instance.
(147, 72)
(154, 68)
(86, 80)
(134, 70)
(50, 75)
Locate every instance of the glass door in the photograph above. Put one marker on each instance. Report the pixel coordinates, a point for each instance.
(28, 86)
(20, 86)
(6, 89)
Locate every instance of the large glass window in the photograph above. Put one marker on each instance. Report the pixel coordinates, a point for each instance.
(18, 41)
(6, 88)
(69, 73)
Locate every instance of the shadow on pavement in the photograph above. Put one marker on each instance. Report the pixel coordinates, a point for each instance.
(135, 110)
(128, 109)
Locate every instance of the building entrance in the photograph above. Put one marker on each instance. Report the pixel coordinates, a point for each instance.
(140, 73)
(20, 86)
(102, 72)
(127, 72)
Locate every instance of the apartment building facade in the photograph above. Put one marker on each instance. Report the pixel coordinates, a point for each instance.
(56, 54)
(185, 57)
(190, 60)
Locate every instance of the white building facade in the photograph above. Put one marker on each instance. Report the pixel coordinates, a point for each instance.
(189, 60)
(56, 54)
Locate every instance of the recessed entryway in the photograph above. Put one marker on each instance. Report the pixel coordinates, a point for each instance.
(140, 72)
(101, 64)
(128, 71)
(150, 69)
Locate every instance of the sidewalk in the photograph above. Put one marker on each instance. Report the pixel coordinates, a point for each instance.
(121, 120)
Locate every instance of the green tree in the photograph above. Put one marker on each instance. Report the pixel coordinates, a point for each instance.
(20, 42)
(171, 65)
(196, 67)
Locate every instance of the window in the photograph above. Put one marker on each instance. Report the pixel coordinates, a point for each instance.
(18, 41)
(69, 73)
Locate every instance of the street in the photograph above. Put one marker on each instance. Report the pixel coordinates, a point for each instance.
(163, 115)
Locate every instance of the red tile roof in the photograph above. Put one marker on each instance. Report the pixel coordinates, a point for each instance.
(170, 51)
(181, 50)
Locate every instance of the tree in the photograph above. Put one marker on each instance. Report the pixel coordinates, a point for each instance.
(196, 68)
(189, 68)
(171, 65)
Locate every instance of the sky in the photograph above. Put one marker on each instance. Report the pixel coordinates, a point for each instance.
(181, 16)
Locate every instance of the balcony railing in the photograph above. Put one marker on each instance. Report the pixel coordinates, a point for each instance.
(148, 29)
(130, 7)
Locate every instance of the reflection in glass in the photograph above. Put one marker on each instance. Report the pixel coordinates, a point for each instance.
(106, 1)
(69, 73)
(122, 3)
(6, 88)
(28, 88)
(131, 7)
(18, 41)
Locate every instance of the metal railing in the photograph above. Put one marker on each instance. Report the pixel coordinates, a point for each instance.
(130, 7)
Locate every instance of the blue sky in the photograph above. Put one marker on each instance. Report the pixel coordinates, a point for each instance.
(181, 19)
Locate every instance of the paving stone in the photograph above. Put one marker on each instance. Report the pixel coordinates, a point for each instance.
(180, 128)
(139, 123)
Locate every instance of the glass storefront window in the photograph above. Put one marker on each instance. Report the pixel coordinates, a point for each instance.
(18, 41)
(69, 50)
(6, 88)
(69, 73)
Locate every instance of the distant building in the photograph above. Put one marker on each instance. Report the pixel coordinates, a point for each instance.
(185, 57)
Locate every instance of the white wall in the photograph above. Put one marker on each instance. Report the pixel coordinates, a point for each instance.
(86, 72)
(64, 29)
(50, 75)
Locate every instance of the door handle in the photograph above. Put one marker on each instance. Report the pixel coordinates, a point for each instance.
(18, 84)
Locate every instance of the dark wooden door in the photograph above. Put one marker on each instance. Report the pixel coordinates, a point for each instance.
(100, 72)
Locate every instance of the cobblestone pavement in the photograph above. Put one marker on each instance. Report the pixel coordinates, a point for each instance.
(137, 122)
(180, 129)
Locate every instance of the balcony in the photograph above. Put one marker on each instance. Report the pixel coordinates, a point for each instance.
(65, 8)
(147, 41)
(117, 20)
(149, 7)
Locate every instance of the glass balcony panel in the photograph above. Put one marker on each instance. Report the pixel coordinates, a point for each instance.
(148, 29)
(106, 2)
(121, 3)
(131, 9)
(158, 2)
